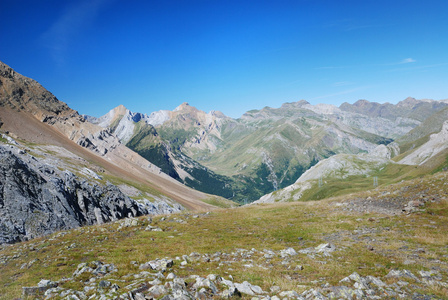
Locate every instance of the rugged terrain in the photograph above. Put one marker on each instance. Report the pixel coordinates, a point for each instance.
(387, 243)
(368, 220)
(264, 150)
(421, 151)
(48, 155)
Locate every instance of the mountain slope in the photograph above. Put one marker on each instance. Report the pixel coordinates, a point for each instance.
(342, 174)
(409, 108)
(265, 149)
(35, 118)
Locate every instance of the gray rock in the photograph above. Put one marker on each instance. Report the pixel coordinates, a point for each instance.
(247, 288)
(157, 291)
(244, 288)
(402, 273)
(201, 282)
(104, 284)
(231, 292)
(158, 264)
(288, 252)
(289, 294)
(39, 199)
(376, 281)
(325, 248)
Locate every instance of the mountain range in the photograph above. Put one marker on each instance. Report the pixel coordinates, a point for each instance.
(62, 170)
(269, 149)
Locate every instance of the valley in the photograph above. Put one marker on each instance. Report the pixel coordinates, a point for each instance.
(342, 202)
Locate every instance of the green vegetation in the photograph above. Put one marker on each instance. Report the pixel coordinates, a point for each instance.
(209, 182)
(176, 137)
(275, 227)
(146, 142)
(145, 188)
(220, 202)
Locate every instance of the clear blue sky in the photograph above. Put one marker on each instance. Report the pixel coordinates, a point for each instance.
(231, 56)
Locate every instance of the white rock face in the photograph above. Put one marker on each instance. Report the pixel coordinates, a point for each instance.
(436, 144)
(158, 117)
(384, 151)
(125, 128)
(343, 166)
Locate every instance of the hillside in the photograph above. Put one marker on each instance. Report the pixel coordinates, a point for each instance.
(61, 195)
(384, 165)
(264, 150)
(388, 243)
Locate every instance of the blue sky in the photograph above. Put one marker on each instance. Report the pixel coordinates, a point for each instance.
(231, 56)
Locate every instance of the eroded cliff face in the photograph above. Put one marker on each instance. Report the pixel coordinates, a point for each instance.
(38, 198)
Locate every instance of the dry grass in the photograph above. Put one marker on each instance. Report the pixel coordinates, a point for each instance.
(396, 241)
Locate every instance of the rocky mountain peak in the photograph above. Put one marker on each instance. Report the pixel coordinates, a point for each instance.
(363, 103)
(184, 106)
(120, 110)
(408, 102)
(22, 93)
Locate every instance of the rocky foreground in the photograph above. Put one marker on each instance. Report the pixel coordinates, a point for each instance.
(42, 193)
(157, 279)
(388, 243)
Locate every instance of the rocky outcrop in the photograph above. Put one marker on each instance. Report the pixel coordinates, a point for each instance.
(38, 198)
(158, 280)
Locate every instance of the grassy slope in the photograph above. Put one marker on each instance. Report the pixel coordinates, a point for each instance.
(394, 238)
(386, 175)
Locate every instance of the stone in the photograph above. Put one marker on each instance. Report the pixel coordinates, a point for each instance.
(402, 273)
(157, 264)
(289, 294)
(205, 282)
(288, 252)
(325, 249)
(55, 199)
(245, 288)
(231, 292)
(157, 291)
(46, 283)
(104, 284)
(376, 281)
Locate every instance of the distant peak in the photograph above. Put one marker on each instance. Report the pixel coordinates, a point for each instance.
(361, 102)
(182, 106)
(295, 104)
(410, 99)
(119, 110)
